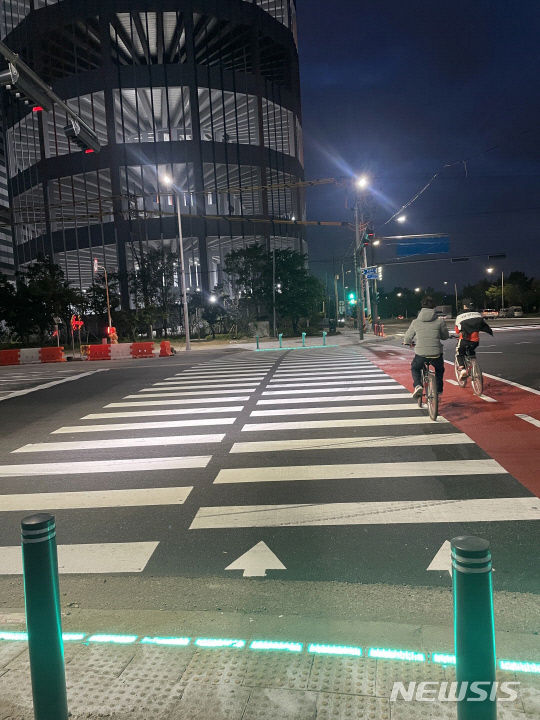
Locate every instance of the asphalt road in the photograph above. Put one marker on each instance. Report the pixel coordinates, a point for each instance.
(303, 466)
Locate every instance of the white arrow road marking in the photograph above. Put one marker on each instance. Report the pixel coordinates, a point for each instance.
(443, 559)
(257, 561)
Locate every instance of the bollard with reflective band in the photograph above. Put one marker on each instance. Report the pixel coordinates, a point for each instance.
(474, 631)
(280, 336)
(43, 622)
(324, 338)
(257, 342)
(304, 339)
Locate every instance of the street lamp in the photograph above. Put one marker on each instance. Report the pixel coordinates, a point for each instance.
(401, 219)
(399, 294)
(168, 182)
(212, 298)
(102, 267)
(491, 270)
(362, 182)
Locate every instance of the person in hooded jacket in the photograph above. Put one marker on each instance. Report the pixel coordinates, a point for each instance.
(468, 328)
(427, 331)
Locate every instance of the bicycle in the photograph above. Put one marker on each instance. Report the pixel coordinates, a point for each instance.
(474, 371)
(429, 390)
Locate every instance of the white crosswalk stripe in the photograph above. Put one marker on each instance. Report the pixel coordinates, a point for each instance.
(338, 398)
(345, 443)
(119, 443)
(117, 427)
(327, 424)
(111, 466)
(368, 513)
(194, 401)
(352, 387)
(160, 413)
(387, 407)
(145, 497)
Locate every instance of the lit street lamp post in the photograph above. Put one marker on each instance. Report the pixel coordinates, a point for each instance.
(489, 270)
(169, 183)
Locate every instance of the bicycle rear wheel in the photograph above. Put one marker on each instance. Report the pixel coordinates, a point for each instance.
(477, 378)
(457, 369)
(432, 397)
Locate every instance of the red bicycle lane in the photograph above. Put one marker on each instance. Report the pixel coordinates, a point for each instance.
(494, 426)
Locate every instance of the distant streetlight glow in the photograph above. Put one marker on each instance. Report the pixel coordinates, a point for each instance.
(376, 243)
(212, 298)
(446, 282)
(489, 269)
(362, 182)
(167, 180)
(417, 289)
(401, 219)
(399, 294)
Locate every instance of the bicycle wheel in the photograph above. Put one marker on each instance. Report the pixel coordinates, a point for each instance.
(457, 369)
(432, 397)
(477, 378)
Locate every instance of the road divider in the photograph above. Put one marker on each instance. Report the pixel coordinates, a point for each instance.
(24, 356)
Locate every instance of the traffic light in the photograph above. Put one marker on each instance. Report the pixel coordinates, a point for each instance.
(352, 298)
(24, 88)
(82, 136)
(368, 238)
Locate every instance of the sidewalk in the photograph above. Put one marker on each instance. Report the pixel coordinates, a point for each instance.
(182, 665)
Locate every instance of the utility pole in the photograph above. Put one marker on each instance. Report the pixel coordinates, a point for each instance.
(274, 288)
(359, 313)
(455, 289)
(502, 289)
(336, 277)
(182, 271)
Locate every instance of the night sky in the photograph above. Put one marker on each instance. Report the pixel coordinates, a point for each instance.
(398, 89)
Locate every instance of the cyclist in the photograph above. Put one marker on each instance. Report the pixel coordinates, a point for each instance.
(468, 327)
(427, 331)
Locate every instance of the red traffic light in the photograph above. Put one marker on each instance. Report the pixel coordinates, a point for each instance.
(111, 331)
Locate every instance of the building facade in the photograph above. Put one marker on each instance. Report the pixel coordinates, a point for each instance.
(7, 266)
(201, 92)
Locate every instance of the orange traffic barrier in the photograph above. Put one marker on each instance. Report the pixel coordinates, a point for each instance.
(165, 349)
(142, 350)
(9, 357)
(99, 352)
(51, 354)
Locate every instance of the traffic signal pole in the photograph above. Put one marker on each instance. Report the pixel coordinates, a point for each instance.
(359, 305)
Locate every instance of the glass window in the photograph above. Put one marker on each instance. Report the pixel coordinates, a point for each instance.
(29, 214)
(147, 188)
(80, 200)
(23, 144)
(278, 127)
(152, 114)
(12, 12)
(90, 108)
(232, 190)
(147, 38)
(228, 117)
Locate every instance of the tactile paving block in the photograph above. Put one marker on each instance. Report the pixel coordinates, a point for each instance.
(90, 696)
(216, 666)
(331, 706)
(278, 670)
(10, 651)
(106, 660)
(160, 663)
(16, 695)
(403, 710)
(267, 704)
(391, 671)
(351, 675)
(211, 702)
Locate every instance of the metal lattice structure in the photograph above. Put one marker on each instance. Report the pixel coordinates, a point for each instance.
(205, 93)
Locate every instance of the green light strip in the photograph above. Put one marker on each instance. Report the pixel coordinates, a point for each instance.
(436, 658)
(219, 643)
(519, 666)
(113, 639)
(389, 654)
(443, 659)
(307, 347)
(276, 645)
(172, 641)
(334, 650)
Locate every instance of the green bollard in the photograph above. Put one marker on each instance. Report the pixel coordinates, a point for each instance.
(303, 339)
(324, 338)
(257, 342)
(43, 621)
(474, 631)
(280, 336)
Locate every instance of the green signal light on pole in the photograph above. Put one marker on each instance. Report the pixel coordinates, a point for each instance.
(352, 298)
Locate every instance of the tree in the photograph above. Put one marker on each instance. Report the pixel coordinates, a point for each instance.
(154, 291)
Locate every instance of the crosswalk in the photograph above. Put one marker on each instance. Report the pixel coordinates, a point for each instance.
(16, 380)
(321, 456)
